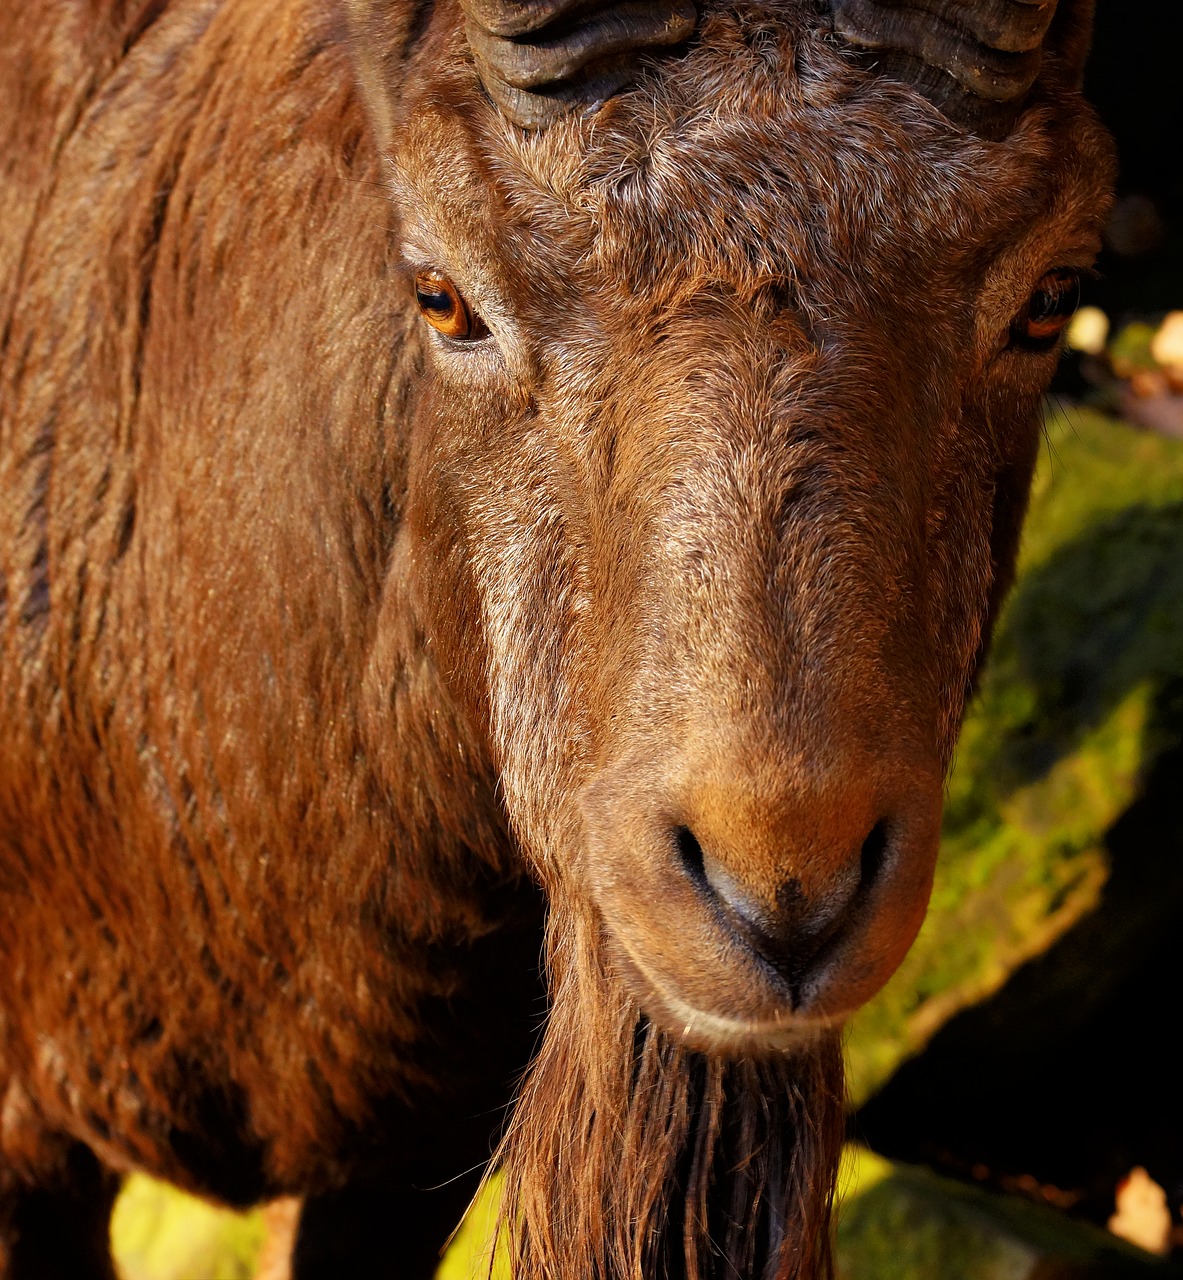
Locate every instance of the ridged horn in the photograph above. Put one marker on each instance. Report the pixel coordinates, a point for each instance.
(539, 59)
(976, 60)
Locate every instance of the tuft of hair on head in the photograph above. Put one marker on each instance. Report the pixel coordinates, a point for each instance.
(633, 1157)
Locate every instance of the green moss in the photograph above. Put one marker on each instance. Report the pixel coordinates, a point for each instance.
(896, 1222)
(468, 1255)
(1080, 695)
(159, 1233)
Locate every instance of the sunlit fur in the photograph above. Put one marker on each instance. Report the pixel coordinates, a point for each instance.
(322, 638)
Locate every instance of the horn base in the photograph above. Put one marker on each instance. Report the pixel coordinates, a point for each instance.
(973, 56)
(975, 60)
(571, 60)
(983, 117)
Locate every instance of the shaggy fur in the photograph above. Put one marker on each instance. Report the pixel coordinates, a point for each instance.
(325, 641)
(632, 1156)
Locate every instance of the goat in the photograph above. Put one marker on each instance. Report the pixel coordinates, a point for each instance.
(478, 480)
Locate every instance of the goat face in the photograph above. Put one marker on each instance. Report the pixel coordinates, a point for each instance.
(730, 401)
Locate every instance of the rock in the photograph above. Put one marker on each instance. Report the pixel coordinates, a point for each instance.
(900, 1222)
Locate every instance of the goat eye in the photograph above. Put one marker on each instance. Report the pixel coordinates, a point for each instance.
(444, 308)
(1051, 305)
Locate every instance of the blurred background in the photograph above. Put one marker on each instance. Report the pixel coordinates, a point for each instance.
(1016, 1096)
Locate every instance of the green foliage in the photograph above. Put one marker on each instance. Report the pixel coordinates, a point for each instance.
(1083, 690)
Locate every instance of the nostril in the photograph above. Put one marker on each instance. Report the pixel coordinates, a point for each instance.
(719, 884)
(715, 880)
(872, 855)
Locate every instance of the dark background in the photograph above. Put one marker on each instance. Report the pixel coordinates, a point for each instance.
(1135, 79)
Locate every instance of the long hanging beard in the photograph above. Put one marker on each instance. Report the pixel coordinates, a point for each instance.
(630, 1157)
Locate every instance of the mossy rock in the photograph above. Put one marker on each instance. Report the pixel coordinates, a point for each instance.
(899, 1222)
(1083, 692)
(895, 1222)
(159, 1233)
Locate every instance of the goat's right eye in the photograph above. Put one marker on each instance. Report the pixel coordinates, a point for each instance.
(445, 308)
(1052, 304)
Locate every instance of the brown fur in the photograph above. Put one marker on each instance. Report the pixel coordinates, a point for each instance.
(320, 638)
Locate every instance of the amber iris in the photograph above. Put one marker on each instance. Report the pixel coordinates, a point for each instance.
(1051, 305)
(444, 308)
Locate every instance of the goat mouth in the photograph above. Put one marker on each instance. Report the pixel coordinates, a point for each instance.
(734, 954)
(710, 1031)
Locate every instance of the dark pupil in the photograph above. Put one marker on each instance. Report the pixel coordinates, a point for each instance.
(436, 301)
(1059, 300)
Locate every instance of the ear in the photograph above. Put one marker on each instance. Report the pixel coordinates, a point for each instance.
(381, 36)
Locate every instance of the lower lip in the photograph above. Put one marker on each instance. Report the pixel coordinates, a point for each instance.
(702, 1028)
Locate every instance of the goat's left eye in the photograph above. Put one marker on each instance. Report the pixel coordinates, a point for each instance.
(1051, 305)
(446, 309)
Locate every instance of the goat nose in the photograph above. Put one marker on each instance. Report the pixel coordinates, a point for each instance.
(793, 929)
(744, 912)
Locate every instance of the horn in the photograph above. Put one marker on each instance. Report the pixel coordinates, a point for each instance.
(975, 60)
(539, 59)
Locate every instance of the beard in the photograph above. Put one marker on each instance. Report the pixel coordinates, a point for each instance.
(632, 1157)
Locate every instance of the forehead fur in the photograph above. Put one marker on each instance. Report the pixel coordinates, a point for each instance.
(765, 140)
